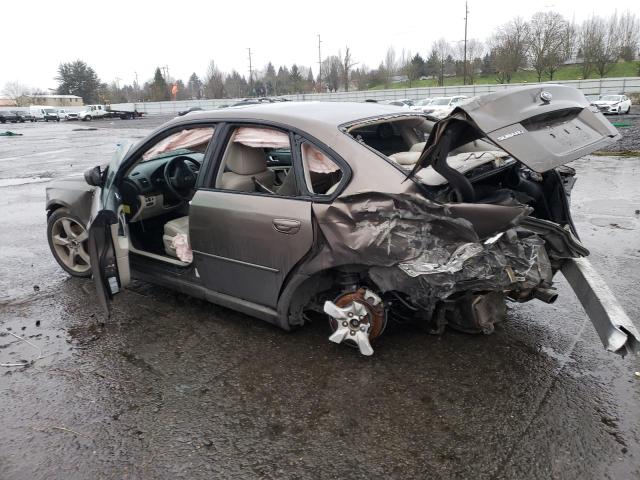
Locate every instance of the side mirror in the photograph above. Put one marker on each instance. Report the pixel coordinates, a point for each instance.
(93, 176)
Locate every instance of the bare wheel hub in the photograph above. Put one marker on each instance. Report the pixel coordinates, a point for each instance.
(356, 318)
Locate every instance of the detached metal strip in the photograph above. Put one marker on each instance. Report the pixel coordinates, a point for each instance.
(615, 328)
(239, 262)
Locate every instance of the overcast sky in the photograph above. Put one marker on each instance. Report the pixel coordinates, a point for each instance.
(118, 38)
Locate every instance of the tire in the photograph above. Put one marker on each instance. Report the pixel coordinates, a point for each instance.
(88, 118)
(68, 241)
(57, 119)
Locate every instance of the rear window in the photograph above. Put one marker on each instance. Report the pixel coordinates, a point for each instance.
(393, 135)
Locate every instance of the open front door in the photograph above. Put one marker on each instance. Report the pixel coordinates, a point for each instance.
(108, 248)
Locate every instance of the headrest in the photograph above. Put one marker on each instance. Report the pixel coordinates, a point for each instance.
(245, 160)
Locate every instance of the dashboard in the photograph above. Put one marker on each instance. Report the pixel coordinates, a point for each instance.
(144, 191)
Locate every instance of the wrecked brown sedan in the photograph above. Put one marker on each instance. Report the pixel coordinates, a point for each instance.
(362, 212)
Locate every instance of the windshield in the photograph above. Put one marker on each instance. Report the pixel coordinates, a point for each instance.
(441, 101)
(49, 110)
(421, 103)
(611, 98)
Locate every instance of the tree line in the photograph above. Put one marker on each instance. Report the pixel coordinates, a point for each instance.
(542, 43)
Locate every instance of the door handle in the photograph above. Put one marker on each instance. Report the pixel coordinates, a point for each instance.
(286, 225)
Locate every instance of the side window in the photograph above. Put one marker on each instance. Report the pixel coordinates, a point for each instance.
(258, 160)
(322, 175)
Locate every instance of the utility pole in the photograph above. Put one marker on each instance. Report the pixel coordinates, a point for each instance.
(250, 73)
(319, 64)
(466, 15)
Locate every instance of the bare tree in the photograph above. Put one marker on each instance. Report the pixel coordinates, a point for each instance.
(346, 63)
(509, 46)
(475, 50)
(390, 65)
(16, 92)
(629, 30)
(441, 50)
(331, 67)
(214, 81)
(547, 36)
(600, 45)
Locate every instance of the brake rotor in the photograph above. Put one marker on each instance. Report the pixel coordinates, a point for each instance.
(357, 319)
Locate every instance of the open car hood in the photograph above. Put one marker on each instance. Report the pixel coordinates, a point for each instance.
(541, 126)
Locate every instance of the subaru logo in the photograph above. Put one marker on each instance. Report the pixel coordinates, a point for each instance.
(545, 96)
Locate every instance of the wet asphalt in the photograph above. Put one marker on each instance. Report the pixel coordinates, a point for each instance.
(172, 387)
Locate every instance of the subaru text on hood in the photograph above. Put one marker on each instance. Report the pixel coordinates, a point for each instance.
(358, 212)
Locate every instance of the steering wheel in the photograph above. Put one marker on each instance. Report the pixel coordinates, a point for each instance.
(179, 177)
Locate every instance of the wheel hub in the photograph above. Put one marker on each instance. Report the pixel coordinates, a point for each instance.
(356, 318)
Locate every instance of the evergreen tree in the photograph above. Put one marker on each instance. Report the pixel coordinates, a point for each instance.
(77, 78)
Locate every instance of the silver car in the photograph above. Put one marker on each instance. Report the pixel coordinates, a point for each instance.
(288, 210)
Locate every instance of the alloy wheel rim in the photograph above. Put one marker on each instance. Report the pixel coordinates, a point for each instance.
(70, 241)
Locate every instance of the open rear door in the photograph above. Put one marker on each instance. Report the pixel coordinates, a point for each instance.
(108, 248)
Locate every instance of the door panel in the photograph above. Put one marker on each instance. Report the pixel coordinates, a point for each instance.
(108, 247)
(245, 245)
(109, 256)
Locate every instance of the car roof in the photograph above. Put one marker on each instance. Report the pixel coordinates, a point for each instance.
(314, 117)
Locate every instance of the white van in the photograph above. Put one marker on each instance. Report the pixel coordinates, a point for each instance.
(45, 113)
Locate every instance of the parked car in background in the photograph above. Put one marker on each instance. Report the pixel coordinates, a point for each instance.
(293, 211)
(66, 115)
(24, 116)
(44, 113)
(618, 104)
(403, 102)
(420, 105)
(189, 110)
(7, 116)
(440, 107)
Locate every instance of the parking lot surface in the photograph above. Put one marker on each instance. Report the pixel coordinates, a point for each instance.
(173, 387)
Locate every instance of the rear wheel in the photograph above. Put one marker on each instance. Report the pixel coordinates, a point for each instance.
(68, 241)
(357, 319)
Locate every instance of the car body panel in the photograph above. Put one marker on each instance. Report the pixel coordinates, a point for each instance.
(540, 134)
(246, 245)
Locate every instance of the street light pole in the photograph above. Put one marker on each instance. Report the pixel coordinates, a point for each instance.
(319, 65)
(466, 14)
(250, 74)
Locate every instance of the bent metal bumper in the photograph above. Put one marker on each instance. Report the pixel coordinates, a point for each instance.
(615, 328)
